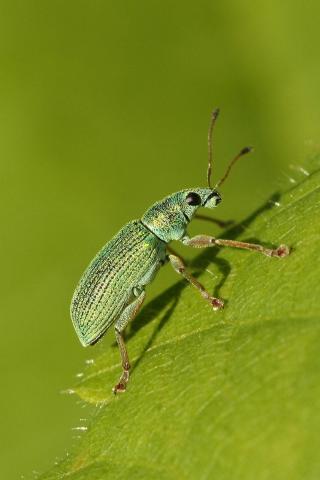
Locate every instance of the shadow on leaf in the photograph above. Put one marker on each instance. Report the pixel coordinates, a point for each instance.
(169, 298)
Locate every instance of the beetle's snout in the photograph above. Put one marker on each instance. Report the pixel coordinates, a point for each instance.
(218, 198)
(213, 199)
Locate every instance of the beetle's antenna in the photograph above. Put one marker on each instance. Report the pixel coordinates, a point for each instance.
(214, 117)
(244, 151)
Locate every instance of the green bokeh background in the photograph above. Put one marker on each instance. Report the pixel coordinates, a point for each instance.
(104, 109)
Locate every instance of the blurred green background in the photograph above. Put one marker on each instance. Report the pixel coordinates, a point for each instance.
(104, 110)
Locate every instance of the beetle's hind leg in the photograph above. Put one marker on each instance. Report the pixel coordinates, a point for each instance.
(129, 312)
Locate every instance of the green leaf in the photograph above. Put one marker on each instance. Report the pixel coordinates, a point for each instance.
(227, 395)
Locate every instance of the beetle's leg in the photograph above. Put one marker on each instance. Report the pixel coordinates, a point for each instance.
(127, 314)
(180, 268)
(202, 241)
(220, 223)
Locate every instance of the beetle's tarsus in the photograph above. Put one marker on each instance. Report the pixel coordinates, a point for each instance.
(119, 388)
(217, 304)
(122, 385)
(281, 251)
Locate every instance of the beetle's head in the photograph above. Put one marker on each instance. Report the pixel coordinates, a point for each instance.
(193, 198)
(169, 218)
(209, 198)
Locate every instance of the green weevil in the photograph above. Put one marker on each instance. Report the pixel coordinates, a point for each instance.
(112, 288)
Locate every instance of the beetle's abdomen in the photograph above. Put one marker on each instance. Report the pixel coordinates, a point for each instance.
(106, 285)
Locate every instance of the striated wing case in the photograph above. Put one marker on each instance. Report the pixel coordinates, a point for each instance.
(106, 286)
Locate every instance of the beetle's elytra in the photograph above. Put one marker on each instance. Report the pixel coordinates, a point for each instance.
(112, 289)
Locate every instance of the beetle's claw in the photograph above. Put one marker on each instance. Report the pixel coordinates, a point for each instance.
(282, 251)
(122, 385)
(217, 304)
(119, 388)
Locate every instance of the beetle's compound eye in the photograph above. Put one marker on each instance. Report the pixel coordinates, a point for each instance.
(193, 199)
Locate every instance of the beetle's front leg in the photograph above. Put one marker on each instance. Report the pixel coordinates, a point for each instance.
(127, 314)
(203, 241)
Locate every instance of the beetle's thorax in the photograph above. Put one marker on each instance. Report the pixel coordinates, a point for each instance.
(165, 219)
(169, 218)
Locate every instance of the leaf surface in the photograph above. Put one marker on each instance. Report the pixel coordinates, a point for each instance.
(227, 395)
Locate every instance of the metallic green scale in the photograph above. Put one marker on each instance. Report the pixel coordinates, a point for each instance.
(107, 286)
(128, 262)
(112, 289)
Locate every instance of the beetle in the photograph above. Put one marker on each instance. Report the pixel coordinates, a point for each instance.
(112, 288)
